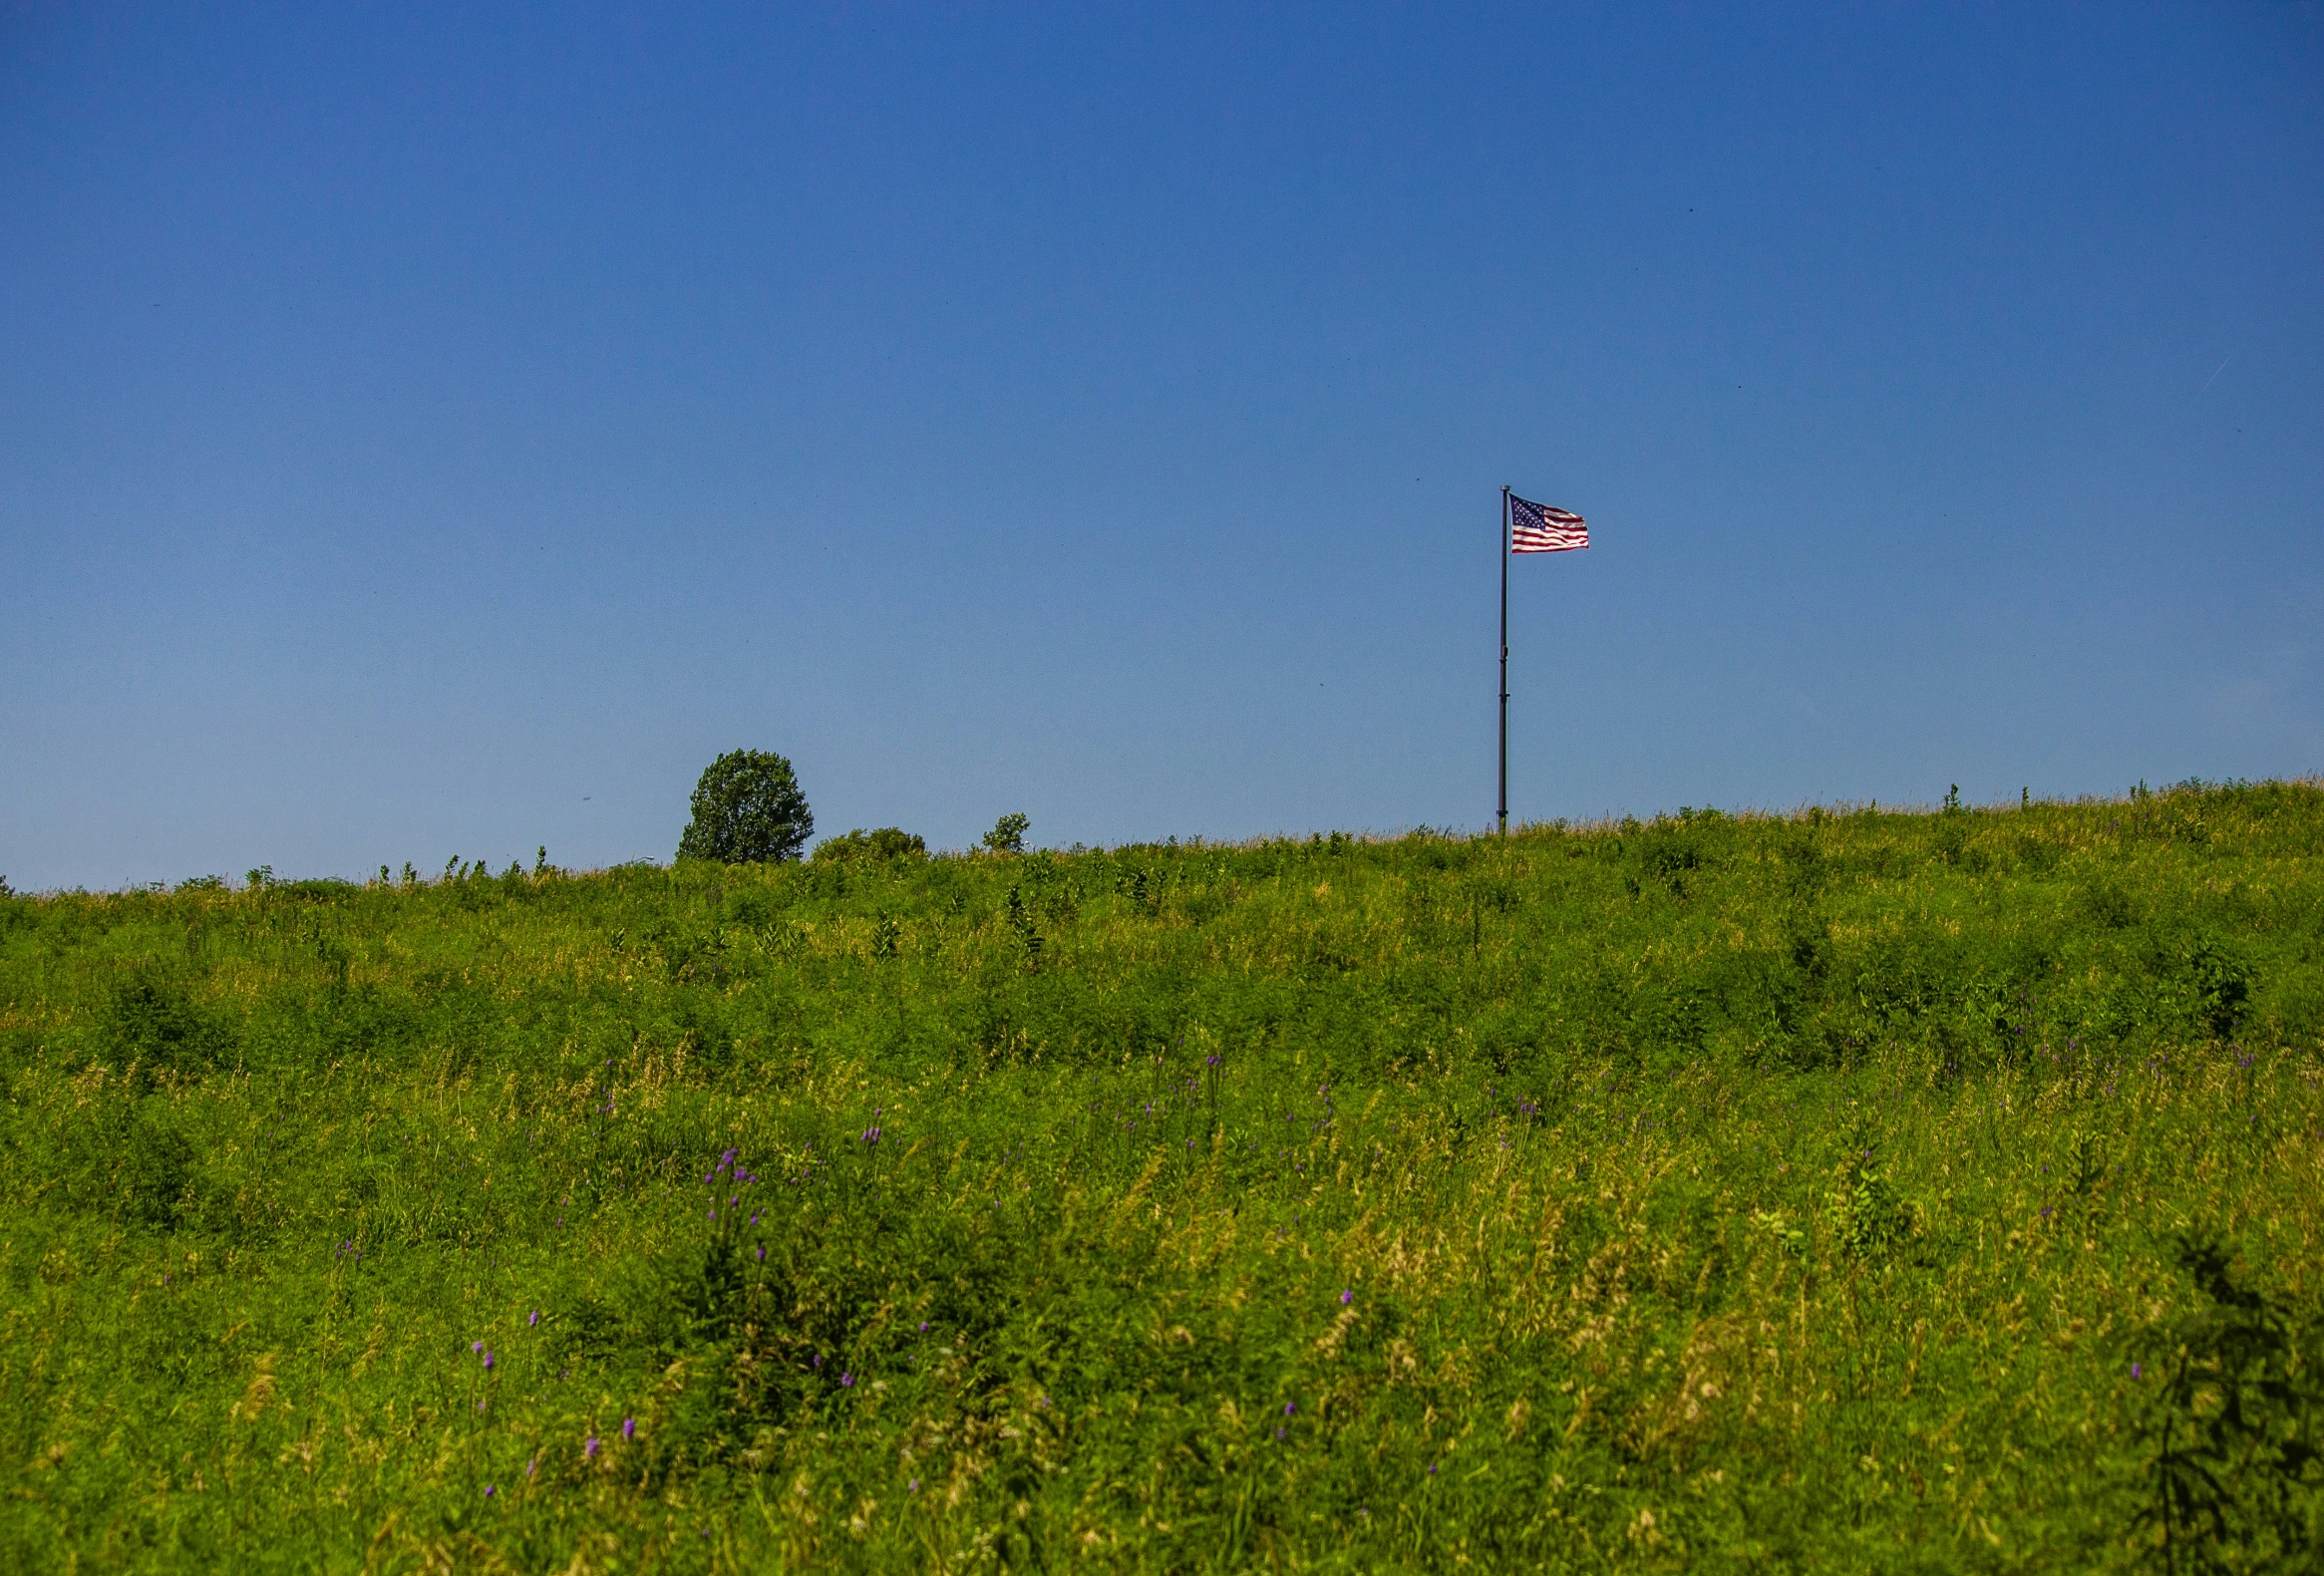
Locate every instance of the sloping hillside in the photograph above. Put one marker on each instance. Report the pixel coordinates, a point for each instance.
(1834, 1191)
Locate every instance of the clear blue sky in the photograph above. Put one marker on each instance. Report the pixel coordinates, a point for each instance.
(441, 431)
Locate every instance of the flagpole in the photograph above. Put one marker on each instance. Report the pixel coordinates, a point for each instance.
(1504, 662)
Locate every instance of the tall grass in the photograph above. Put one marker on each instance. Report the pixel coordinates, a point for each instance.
(1835, 1191)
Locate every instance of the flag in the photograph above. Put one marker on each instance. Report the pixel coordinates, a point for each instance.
(1537, 528)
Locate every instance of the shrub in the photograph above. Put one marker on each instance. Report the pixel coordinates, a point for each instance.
(152, 1022)
(1870, 1216)
(2222, 987)
(877, 846)
(748, 810)
(2234, 1473)
(126, 1164)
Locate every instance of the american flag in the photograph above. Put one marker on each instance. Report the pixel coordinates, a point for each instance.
(1537, 528)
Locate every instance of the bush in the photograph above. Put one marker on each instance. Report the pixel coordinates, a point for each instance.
(748, 810)
(153, 1022)
(877, 846)
(123, 1163)
(1008, 833)
(2232, 1476)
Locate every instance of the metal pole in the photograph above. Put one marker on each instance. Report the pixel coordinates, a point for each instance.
(1504, 662)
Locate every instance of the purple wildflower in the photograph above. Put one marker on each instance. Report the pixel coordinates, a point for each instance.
(1346, 1298)
(1290, 1408)
(629, 1428)
(590, 1448)
(762, 1253)
(475, 1346)
(489, 1491)
(531, 1466)
(535, 1319)
(923, 1327)
(846, 1380)
(488, 1362)
(2137, 1371)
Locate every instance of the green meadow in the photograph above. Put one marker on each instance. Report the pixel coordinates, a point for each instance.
(1848, 1190)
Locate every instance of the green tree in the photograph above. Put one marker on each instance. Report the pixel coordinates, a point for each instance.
(748, 810)
(1008, 833)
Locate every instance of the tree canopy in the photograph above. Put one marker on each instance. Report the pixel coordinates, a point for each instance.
(748, 810)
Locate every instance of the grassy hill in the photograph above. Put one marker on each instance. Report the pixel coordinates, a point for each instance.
(1838, 1191)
